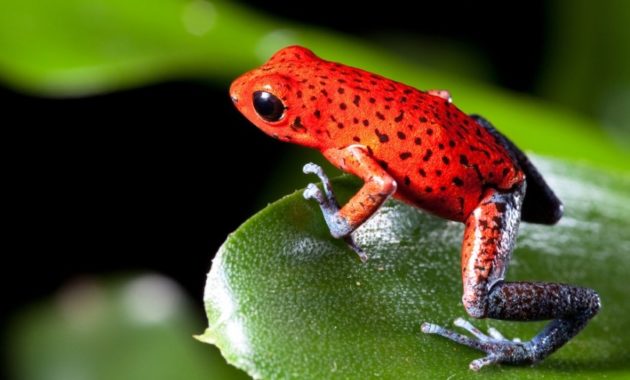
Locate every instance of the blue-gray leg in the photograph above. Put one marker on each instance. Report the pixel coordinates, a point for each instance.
(526, 301)
(488, 242)
(328, 203)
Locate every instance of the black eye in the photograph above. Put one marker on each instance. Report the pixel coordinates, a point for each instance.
(268, 106)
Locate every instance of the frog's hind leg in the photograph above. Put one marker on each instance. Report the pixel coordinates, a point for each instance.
(488, 242)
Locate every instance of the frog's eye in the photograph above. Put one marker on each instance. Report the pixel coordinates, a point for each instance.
(268, 106)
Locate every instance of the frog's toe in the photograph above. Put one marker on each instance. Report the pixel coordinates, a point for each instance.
(312, 168)
(497, 348)
(477, 364)
(464, 324)
(430, 328)
(327, 204)
(493, 334)
(313, 192)
(355, 247)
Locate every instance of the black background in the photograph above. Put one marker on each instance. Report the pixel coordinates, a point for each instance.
(155, 178)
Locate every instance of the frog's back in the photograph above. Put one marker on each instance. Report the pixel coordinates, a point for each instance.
(442, 159)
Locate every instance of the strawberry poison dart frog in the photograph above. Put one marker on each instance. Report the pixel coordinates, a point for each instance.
(420, 148)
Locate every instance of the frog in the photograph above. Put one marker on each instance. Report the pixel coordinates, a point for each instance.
(418, 147)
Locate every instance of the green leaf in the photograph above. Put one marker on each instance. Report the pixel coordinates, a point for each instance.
(285, 300)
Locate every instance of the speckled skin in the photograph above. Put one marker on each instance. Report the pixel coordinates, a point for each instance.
(440, 157)
(420, 148)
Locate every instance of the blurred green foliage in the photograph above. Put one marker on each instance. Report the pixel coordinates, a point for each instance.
(134, 328)
(77, 47)
(588, 65)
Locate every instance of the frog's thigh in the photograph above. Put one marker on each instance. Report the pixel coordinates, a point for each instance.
(489, 238)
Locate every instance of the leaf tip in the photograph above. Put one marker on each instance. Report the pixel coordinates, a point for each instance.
(206, 337)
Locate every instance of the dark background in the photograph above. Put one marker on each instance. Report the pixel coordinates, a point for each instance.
(155, 178)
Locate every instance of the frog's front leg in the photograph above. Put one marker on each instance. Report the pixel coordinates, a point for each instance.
(328, 203)
(489, 238)
(378, 186)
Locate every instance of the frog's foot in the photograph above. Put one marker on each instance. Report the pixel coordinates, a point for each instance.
(326, 200)
(338, 226)
(498, 348)
(312, 168)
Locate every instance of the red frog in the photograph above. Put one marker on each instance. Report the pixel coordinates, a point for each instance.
(420, 148)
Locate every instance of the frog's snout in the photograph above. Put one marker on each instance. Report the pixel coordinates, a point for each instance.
(235, 90)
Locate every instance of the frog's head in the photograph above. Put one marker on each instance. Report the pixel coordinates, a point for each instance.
(272, 98)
